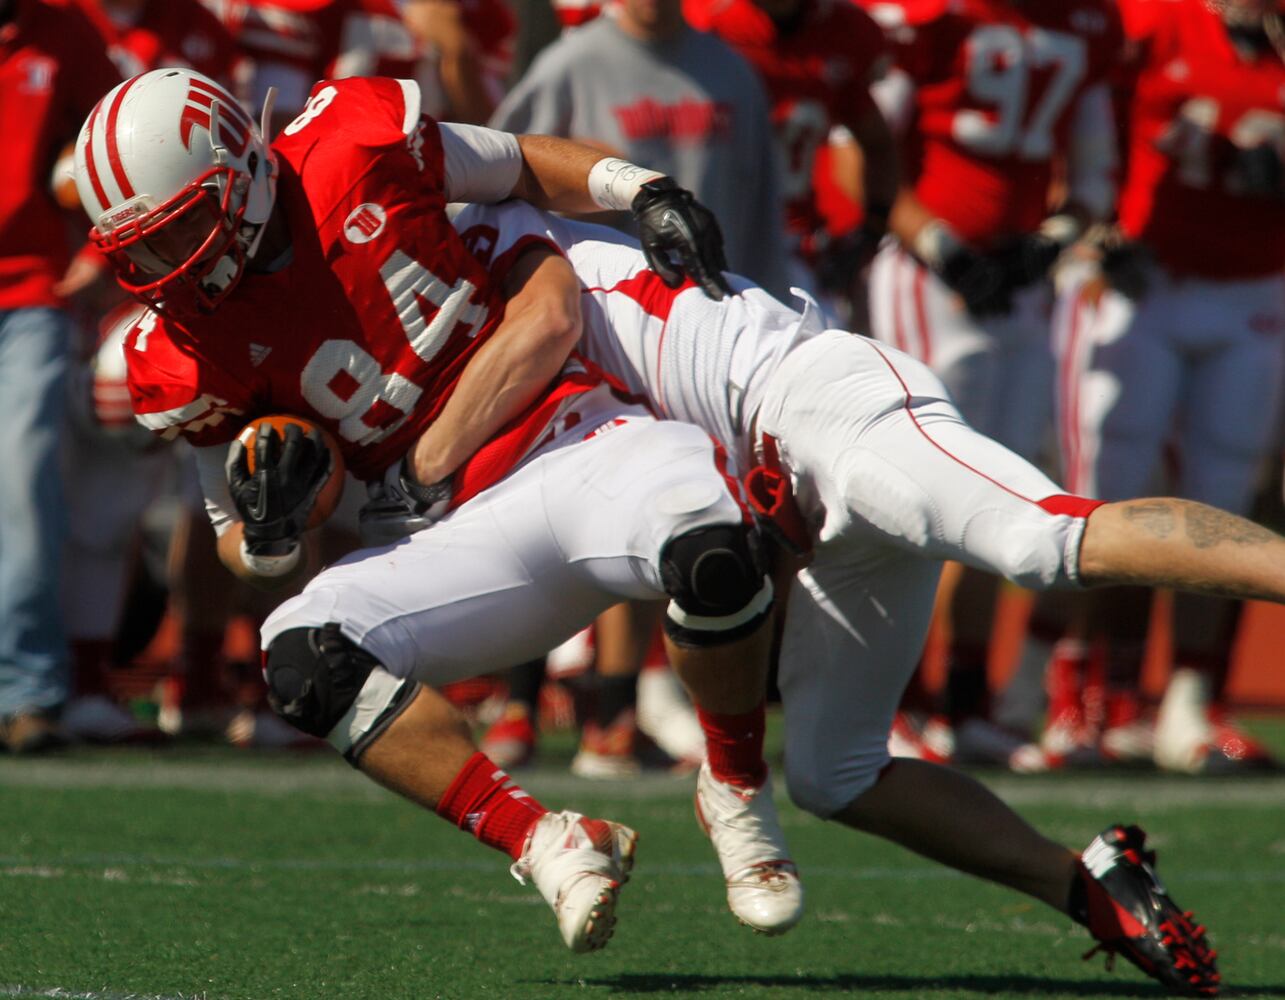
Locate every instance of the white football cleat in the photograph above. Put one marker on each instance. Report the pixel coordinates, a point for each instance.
(579, 865)
(763, 887)
(666, 716)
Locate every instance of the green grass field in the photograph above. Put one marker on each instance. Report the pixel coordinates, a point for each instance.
(221, 874)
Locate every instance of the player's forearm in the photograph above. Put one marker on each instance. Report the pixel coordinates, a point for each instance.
(231, 551)
(439, 24)
(879, 170)
(465, 87)
(541, 326)
(1185, 546)
(556, 176)
(910, 218)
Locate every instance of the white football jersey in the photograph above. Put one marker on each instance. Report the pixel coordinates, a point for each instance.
(689, 357)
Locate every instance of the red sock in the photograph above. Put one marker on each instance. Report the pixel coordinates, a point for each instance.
(484, 800)
(734, 746)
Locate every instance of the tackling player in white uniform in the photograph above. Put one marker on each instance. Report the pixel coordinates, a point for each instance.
(888, 481)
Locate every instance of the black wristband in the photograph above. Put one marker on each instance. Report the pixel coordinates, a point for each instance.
(424, 495)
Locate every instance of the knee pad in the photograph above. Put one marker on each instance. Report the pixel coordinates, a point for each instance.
(324, 684)
(716, 579)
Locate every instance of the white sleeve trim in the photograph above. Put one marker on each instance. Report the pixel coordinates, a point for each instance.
(212, 475)
(411, 102)
(482, 164)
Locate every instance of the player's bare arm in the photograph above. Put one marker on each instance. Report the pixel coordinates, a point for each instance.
(879, 167)
(439, 25)
(541, 325)
(679, 235)
(1165, 542)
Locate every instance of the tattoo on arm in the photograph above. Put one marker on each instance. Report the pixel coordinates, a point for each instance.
(1156, 518)
(1207, 526)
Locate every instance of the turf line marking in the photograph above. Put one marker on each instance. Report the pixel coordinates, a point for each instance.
(330, 779)
(112, 869)
(58, 993)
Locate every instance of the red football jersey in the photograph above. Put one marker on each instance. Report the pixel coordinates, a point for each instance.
(52, 73)
(368, 327)
(995, 85)
(319, 39)
(1197, 106)
(817, 75)
(170, 33)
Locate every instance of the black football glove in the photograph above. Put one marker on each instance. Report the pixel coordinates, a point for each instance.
(980, 280)
(843, 258)
(1027, 259)
(1259, 171)
(274, 502)
(1126, 266)
(671, 221)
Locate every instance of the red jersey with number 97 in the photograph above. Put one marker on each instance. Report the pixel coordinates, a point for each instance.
(368, 326)
(996, 84)
(1199, 111)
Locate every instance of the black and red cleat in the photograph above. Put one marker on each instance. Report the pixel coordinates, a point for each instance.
(1123, 903)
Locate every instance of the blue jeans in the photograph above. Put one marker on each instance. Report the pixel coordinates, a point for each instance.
(34, 668)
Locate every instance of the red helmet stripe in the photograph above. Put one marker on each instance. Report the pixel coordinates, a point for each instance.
(91, 167)
(113, 150)
(229, 103)
(234, 123)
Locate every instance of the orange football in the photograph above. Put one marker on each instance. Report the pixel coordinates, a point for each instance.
(333, 488)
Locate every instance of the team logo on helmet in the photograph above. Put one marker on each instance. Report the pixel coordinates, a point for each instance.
(234, 123)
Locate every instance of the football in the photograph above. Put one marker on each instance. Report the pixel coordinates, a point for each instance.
(332, 489)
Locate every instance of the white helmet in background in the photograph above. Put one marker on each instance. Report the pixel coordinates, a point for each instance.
(178, 183)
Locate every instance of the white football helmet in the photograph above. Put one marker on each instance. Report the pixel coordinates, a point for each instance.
(178, 182)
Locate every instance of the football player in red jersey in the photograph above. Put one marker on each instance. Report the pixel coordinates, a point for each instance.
(989, 95)
(1176, 340)
(144, 34)
(290, 44)
(139, 35)
(322, 277)
(817, 59)
(466, 55)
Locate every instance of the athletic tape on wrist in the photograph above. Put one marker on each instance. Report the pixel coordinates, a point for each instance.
(614, 183)
(934, 243)
(1063, 229)
(270, 565)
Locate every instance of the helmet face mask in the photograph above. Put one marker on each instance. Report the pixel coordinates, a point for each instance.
(179, 185)
(178, 253)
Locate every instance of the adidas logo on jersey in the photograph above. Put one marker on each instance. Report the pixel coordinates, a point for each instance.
(258, 353)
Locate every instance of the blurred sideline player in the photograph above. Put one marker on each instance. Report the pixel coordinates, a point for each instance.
(465, 55)
(817, 59)
(987, 97)
(290, 44)
(52, 69)
(1177, 337)
(232, 248)
(195, 698)
(144, 34)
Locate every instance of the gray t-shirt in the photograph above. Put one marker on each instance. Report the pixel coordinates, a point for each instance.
(689, 106)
